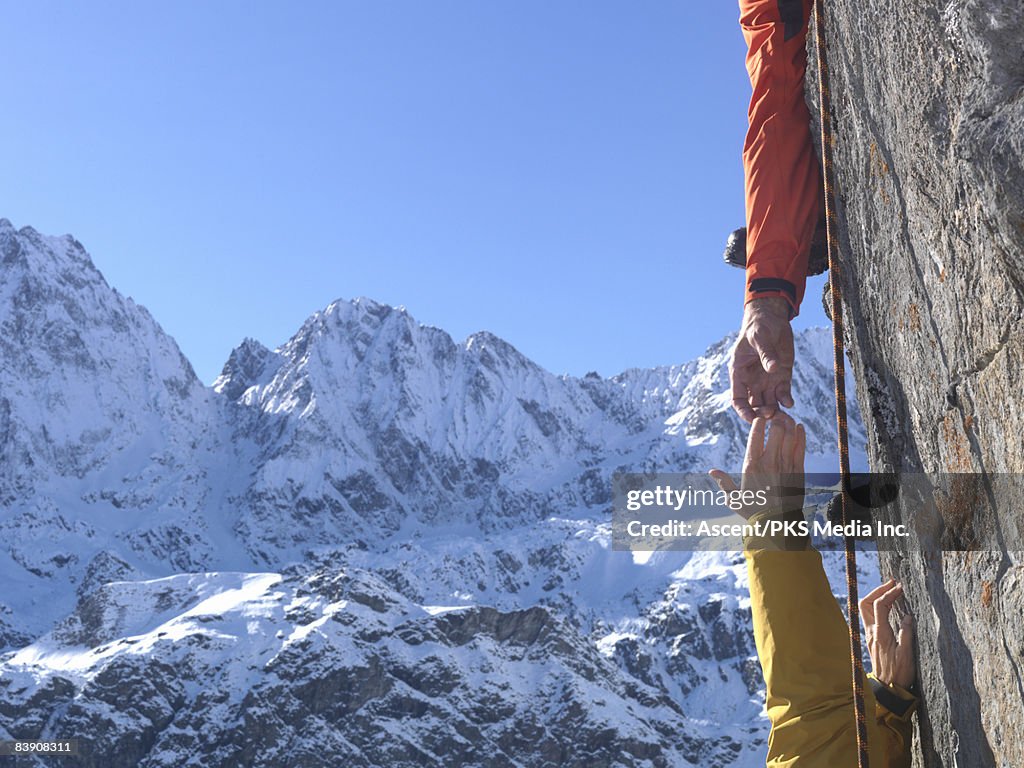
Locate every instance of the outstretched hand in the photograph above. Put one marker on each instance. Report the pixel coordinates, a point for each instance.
(892, 655)
(777, 465)
(761, 368)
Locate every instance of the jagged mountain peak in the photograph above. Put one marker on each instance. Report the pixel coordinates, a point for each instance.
(363, 309)
(244, 368)
(45, 256)
(85, 373)
(494, 352)
(352, 325)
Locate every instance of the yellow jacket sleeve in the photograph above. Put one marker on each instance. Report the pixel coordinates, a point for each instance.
(893, 711)
(804, 648)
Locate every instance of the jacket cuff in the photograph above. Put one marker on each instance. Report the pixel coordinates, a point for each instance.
(777, 277)
(894, 699)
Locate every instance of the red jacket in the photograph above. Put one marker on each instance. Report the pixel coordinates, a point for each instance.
(783, 180)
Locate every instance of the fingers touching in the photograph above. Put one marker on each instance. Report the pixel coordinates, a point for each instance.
(744, 409)
(785, 447)
(765, 403)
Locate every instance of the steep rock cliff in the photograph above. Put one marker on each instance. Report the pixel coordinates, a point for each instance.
(928, 103)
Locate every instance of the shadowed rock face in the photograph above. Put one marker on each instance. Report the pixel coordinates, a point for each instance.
(929, 111)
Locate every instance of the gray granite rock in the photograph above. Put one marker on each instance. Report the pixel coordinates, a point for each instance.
(928, 102)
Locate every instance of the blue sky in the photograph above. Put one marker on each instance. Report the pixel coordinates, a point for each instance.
(561, 174)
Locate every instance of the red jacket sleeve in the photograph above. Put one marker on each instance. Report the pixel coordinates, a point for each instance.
(781, 171)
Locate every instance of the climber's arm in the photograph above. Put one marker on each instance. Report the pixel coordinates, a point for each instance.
(783, 194)
(800, 632)
(803, 645)
(781, 172)
(802, 642)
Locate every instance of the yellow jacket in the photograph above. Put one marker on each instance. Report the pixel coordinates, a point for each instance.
(804, 647)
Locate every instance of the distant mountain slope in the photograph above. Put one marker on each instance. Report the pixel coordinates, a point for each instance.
(372, 545)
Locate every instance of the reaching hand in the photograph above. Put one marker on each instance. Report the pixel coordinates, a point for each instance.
(761, 369)
(777, 466)
(892, 656)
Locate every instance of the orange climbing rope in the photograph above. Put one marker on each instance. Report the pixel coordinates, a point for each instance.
(834, 281)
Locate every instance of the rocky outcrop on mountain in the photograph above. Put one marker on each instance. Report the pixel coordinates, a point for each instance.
(929, 114)
(330, 663)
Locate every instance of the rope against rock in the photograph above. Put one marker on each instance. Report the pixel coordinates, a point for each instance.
(834, 280)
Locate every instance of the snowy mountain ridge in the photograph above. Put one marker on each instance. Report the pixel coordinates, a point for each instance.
(371, 531)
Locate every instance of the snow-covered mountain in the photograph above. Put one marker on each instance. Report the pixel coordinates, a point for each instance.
(371, 546)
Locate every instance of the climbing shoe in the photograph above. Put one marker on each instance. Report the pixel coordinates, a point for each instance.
(736, 250)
